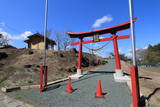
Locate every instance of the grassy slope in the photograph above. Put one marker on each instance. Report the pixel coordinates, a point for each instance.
(13, 72)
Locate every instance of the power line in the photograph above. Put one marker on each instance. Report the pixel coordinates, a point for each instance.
(11, 28)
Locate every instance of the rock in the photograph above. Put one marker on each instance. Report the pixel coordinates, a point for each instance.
(3, 55)
(3, 89)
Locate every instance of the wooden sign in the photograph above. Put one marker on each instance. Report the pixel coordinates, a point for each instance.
(96, 38)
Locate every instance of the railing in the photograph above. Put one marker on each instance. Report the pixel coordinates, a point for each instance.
(149, 65)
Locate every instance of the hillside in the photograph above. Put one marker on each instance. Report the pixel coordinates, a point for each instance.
(21, 66)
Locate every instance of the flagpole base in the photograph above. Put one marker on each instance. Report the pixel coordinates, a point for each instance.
(78, 75)
(120, 77)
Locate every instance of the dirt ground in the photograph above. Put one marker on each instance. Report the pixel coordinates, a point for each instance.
(21, 67)
(149, 79)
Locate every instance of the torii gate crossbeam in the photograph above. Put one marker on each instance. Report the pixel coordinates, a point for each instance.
(101, 40)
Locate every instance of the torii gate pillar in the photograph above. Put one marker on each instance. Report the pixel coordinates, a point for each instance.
(118, 70)
(79, 70)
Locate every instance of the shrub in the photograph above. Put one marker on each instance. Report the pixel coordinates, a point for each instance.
(85, 62)
(30, 81)
(92, 62)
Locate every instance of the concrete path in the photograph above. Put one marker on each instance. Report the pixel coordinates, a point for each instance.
(116, 94)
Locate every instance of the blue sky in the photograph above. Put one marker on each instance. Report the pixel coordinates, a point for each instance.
(20, 18)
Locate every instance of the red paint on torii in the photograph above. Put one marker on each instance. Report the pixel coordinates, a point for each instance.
(113, 30)
(101, 40)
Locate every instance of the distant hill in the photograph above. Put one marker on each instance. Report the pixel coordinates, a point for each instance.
(151, 55)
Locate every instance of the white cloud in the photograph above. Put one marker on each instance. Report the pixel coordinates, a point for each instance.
(4, 33)
(145, 47)
(21, 36)
(100, 21)
(129, 55)
(129, 52)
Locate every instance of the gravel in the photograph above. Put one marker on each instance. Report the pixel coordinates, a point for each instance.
(116, 94)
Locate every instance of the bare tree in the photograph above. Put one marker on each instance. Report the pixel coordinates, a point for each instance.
(4, 40)
(141, 54)
(66, 42)
(49, 33)
(58, 39)
(62, 40)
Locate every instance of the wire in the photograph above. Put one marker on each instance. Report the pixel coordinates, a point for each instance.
(12, 28)
(97, 49)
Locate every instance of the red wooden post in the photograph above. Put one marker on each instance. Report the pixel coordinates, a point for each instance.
(116, 52)
(46, 76)
(135, 86)
(41, 78)
(80, 57)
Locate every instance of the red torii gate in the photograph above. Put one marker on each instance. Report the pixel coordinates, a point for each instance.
(112, 30)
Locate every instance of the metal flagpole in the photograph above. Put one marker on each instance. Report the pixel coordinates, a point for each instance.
(134, 69)
(45, 36)
(43, 69)
(45, 31)
(132, 32)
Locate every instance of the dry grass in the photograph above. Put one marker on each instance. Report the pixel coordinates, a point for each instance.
(13, 71)
(149, 78)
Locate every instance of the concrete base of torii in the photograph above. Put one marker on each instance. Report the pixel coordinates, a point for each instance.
(120, 77)
(78, 75)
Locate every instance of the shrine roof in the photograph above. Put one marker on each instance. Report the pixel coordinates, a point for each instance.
(106, 30)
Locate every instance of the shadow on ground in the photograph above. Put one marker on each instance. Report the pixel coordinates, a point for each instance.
(144, 99)
(140, 77)
(89, 75)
